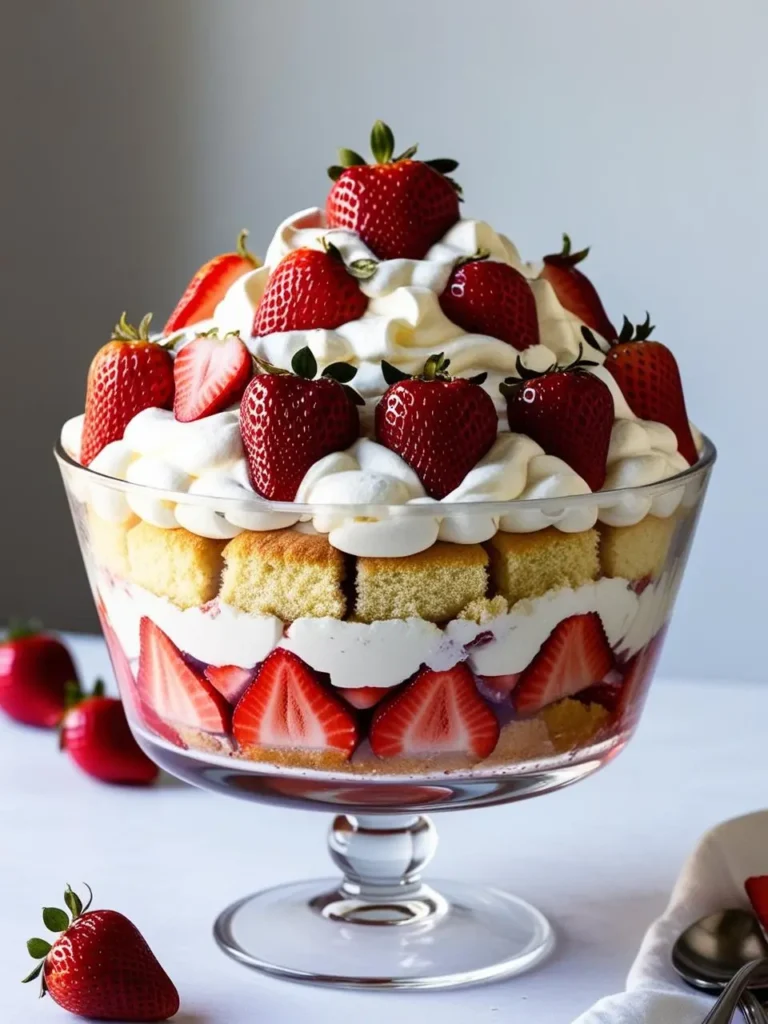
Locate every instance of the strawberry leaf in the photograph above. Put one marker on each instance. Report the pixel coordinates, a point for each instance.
(38, 948)
(73, 902)
(341, 372)
(55, 920)
(335, 172)
(442, 165)
(590, 339)
(407, 154)
(479, 378)
(382, 142)
(98, 688)
(363, 270)
(90, 897)
(391, 373)
(304, 363)
(33, 973)
(349, 158)
(353, 395)
(18, 629)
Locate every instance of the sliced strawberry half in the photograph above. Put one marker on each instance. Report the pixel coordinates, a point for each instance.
(439, 712)
(364, 697)
(287, 706)
(210, 284)
(210, 373)
(757, 890)
(176, 692)
(574, 656)
(637, 675)
(230, 680)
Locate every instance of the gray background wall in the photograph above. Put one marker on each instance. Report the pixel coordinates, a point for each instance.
(138, 137)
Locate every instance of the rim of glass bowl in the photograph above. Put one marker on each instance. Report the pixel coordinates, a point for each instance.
(447, 510)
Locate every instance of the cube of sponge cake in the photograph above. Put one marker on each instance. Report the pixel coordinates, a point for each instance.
(634, 552)
(284, 573)
(530, 564)
(109, 543)
(175, 564)
(435, 584)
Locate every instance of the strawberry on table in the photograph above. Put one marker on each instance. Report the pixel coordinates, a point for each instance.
(287, 706)
(574, 291)
(308, 289)
(438, 712)
(130, 373)
(210, 284)
(649, 378)
(290, 420)
(574, 657)
(210, 373)
(399, 206)
(568, 411)
(100, 966)
(35, 668)
(486, 297)
(441, 425)
(175, 691)
(96, 735)
(757, 890)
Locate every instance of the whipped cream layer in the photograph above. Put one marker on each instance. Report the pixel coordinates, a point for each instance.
(403, 324)
(384, 654)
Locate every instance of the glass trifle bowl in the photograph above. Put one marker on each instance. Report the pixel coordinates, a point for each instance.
(507, 656)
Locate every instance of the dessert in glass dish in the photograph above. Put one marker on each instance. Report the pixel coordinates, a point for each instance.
(391, 523)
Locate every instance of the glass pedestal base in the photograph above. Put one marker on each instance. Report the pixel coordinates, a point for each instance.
(382, 927)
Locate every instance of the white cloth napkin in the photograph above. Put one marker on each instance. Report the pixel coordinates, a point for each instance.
(712, 879)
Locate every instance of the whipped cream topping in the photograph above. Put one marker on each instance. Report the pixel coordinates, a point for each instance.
(385, 653)
(403, 324)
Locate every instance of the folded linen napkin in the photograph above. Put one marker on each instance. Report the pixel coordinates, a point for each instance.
(711, 880)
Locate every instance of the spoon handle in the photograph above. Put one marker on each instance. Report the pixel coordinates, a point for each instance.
(752, 1009)
(725, 1007)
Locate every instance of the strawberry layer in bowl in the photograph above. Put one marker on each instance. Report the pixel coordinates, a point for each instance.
(393, 504)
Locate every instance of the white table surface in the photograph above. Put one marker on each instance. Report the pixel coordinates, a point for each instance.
(599, 858)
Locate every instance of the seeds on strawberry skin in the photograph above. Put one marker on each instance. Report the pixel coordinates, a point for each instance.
(100, 966)
(486, 297)
(129, 374)
(399, 206)
(568, 411)
(440, 425)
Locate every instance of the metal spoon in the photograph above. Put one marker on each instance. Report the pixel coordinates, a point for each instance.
(709, 953)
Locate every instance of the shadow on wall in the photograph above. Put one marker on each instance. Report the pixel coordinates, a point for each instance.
(98, 180)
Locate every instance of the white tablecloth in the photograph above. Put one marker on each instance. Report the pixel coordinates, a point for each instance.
(599, 858)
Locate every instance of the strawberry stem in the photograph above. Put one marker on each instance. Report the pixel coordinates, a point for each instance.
(123, 331)
(18, 629)
(242, 249)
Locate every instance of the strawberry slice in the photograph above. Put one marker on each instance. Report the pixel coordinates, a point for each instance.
(637, 676)
(364, 697)
(757, 890)
(174, 690)
(230, 680)
(209, 286)
(498, 688)
(209, 374)
(439, 712)
(574, 656)
(287, 706)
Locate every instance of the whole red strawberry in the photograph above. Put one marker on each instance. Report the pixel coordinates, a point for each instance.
(100, 966)
(128, 374)
(574, 290)
(442, 426)
(35, 668)
(568, 411)
(486, 297)
(398, 206)
(96, 735)
(210, 373)
(290, 420)
(309, 288)
(649, 378)
(210, 284)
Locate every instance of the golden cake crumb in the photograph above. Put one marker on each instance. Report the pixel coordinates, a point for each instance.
(109, 543)
(634, 552)
(175, 564)
(530, 564)
(295, 757)
(484, 609)
(527, 740)
(284, 573)
(572, 724)
(435, 584)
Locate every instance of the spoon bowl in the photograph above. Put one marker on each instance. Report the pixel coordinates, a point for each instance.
(711, 951)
